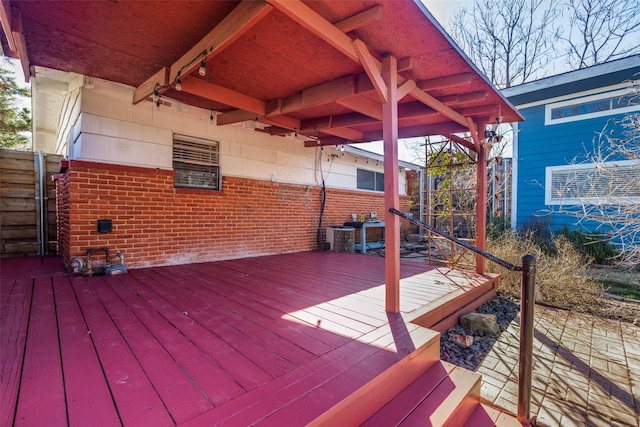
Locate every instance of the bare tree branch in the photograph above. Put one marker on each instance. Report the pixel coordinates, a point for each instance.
(509, 40)
(601, 31)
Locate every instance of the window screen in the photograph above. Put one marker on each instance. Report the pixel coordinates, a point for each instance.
(196, 163)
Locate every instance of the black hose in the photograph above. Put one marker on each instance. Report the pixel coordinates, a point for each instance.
(323, 198)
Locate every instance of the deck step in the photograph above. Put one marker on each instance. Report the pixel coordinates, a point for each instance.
(488, 416)
(444, 312)
(445, 395)
(359, 405)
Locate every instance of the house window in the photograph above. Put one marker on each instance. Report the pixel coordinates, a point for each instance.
(196, 163)
(590, 183)
(587, 107)
(370, 180)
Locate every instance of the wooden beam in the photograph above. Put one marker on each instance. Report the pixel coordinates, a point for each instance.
(235, 116)
(405, 64)
(443, 82)
(405, 88)
(362, 105)
(159, 79)
(338, 121)
(5, 20)
(412, 110)
(326, 140)
(316, 24)
(464, 97)
(443, 129)
(232, 27)
(360, 19)
(20, 42)
(327, 92)
(371, 67)
(281, 121)
(438, 106)
(482, 110)
(460, 140)
(217, 93)
(391, 189)
(346, 133)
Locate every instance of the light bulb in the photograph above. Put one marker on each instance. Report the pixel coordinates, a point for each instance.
(178, 85)
(203, 68)
(211, 117)
(156, 97)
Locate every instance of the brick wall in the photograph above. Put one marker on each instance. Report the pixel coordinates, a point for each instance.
(156, 224)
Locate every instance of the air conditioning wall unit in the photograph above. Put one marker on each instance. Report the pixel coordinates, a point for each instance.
(341, 239)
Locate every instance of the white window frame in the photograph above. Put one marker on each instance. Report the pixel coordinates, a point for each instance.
(214, 147)
(569, 201)
(548, 108)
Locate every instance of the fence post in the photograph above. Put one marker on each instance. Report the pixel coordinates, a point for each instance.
(527, 305)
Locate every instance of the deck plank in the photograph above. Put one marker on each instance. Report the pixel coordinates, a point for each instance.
(229, 298)
(179, 394)
(87, 392)
(249, 326)
(41, 399)
(136, 398)
(207, 375)
(204, 313)
(13, 335)
(243, 370)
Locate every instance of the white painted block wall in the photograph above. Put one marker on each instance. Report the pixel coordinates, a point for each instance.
(109, 128)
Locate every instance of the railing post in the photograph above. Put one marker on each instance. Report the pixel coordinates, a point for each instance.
(527, 305)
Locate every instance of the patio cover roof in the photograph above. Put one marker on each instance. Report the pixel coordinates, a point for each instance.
(309, 67)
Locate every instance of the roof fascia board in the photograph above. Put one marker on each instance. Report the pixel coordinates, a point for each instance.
(572, 76)
(574, 95)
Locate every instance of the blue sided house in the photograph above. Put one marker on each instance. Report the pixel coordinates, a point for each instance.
(553, 149)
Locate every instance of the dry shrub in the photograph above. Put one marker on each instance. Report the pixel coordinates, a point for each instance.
(560, 274)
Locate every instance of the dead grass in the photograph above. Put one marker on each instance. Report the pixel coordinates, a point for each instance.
(561, 276)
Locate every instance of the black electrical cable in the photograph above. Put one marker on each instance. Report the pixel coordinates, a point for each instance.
(323, 198)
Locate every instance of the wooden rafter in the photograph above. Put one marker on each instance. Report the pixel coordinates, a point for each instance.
(5, 20)
(371, 67)
(346, 133)
(460, 140)
(233, 26)
(438, 106)
(362, 105)
(223, 95)
(406, 88)
(359, 20)
(20, 42)
(448, 81)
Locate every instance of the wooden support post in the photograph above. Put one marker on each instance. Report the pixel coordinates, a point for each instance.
(391, 196)
(481, 206)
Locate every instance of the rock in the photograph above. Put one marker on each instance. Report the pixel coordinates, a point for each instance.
(415, 238)
(480, 322)
(463, 340)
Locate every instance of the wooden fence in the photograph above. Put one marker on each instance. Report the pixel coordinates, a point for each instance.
(27, 220)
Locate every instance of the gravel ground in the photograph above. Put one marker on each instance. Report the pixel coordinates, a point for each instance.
(472, 356)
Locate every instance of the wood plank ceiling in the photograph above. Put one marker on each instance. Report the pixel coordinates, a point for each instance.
(306, 67)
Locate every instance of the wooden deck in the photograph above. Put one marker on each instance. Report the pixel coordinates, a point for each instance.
(277, 340)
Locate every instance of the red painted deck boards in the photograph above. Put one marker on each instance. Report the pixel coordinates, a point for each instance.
(136, 398)
(41, 399)
(87, 393)
(13, 334)
(277, 339)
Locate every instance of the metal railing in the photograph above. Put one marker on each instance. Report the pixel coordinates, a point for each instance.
(527, 304)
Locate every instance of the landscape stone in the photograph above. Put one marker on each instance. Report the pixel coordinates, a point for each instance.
(480, 322)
